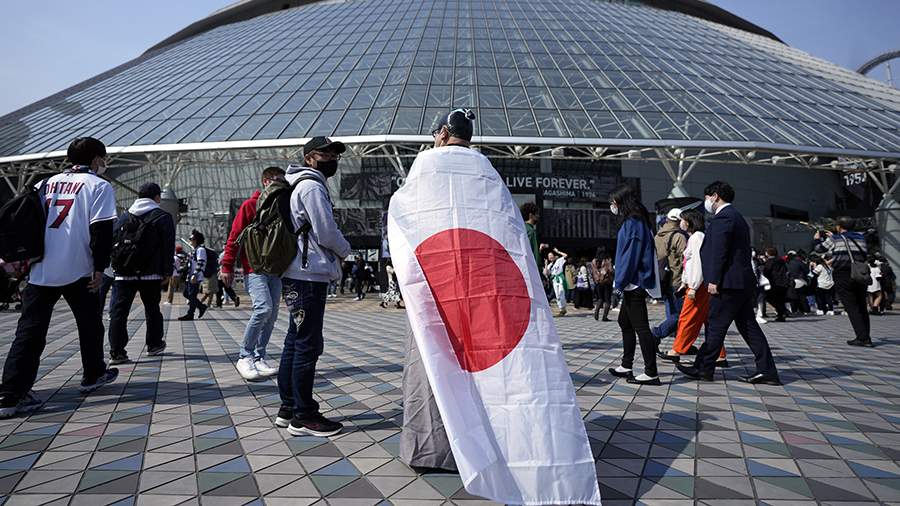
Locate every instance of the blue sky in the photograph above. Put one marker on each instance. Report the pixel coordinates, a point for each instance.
(49, 45)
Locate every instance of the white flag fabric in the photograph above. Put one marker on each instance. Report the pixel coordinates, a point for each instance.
(483, 326)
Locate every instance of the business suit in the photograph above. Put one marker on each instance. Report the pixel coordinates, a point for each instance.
(725, 257)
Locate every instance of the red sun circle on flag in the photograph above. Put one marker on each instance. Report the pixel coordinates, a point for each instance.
(480, 294)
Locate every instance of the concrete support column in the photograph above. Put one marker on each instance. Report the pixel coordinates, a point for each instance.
(887, 218)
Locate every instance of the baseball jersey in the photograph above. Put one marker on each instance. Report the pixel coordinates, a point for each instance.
(74, 200)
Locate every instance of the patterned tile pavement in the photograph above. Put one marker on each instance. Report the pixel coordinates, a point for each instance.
(184, 429)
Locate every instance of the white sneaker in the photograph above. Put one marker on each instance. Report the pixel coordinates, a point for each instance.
(247, 369)
(762, 321)
(167, 303)
(819, 312)
(830, 313)
(264, 368)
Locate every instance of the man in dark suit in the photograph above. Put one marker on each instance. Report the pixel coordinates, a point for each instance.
(725, 256)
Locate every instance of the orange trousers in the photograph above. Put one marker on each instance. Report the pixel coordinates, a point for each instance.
(693, 316)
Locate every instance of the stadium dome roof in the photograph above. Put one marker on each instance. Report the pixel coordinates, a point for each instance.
(538, 72)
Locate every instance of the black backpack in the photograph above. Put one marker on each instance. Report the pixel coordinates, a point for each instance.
(133, 251)
(22, 223)
(211, 268)
(665, 270)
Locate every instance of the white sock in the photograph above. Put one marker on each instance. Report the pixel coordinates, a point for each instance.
(622, 370)
(644, 377)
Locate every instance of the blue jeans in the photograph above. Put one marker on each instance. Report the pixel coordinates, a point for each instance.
(673, 305)
(302, 345)
(265, 294)
(191, 290)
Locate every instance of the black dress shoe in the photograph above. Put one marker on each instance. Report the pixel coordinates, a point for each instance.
(614, 372)
(723, 363)
(186, 318)
(859, 342)
(652, 381)
(694, 373)
(693, 350)
(671, 358)
(760, 379)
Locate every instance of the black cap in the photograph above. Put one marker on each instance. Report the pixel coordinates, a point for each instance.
(323, 144)
(459, 123)
(149, 191)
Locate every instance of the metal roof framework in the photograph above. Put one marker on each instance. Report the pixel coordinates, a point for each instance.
(678, 159)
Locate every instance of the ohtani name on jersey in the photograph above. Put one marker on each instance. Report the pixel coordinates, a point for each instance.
(64, 187)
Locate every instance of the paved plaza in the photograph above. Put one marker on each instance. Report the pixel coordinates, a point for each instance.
(184, 429)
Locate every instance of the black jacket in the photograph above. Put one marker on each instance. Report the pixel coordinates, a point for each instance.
(776, 271)
(162, 237)
(726, 252)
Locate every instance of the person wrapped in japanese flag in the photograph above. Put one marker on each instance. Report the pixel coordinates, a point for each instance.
(487, 389)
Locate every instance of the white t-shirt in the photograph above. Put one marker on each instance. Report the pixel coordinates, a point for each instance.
(75, 201)
(557, 267)
(824, 280)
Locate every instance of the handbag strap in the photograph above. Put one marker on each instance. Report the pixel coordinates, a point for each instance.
(849, 251)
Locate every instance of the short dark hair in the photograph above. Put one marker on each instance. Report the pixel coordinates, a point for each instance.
(197, 236)
(83, 150)
(149, 191)
(771, 251)
(845, 222)
(528, 209)
(695, 220)
(272, 172)
(722, 189)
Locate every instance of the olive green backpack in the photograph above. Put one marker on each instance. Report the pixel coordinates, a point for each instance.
(270, 242)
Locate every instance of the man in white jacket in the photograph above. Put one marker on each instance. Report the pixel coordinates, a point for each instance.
(321, 249)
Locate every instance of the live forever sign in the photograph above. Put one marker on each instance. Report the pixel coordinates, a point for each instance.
(556, 187)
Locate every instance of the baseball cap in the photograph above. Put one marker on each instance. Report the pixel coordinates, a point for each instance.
(674, 214)
(149, 191)
(321, 143)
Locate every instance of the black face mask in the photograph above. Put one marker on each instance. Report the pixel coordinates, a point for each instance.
(328, 168)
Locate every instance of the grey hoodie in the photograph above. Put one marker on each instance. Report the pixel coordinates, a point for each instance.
(310, 202)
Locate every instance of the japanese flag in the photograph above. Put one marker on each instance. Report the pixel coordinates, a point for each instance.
(486, 335)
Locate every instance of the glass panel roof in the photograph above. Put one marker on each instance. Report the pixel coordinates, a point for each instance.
(583, 69)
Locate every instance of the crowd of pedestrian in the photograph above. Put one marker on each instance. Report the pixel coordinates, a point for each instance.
(286, 244)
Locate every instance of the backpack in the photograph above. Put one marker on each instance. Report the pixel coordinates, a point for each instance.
(133, 252)
(22, 223)
(270, 242)
(211, 267)
(665, 270)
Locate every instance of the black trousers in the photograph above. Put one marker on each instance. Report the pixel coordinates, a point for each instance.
(854, 298)
(777, 296)
(736, 306)
(223, 289)
(121, 306)
(824, 299)
(636, 327)
(21, 367)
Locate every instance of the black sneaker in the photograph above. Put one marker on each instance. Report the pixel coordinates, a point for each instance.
(186, 318)
(118, 358)
(156, 350)
(88, 386)
(314, 425)
(284, 417)
(858, 342)
(10, 404)
(202, 311)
